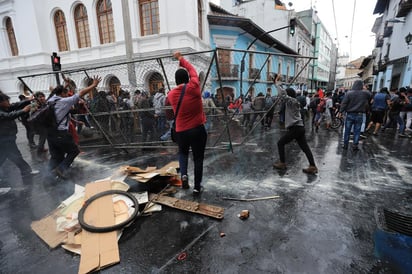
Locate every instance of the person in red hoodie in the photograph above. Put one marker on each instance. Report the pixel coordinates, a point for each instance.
(190, 120)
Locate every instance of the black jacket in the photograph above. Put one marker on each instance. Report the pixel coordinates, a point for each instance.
(8, 126)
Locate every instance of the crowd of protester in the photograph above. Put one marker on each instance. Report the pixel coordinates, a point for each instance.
(142, 116)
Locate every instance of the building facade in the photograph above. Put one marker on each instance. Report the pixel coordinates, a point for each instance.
(272, 15)
(248, 57)
(324, 50)
(393, 48)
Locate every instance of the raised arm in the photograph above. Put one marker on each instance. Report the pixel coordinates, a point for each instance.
(281, 91)
(96, 81)
(194, 78)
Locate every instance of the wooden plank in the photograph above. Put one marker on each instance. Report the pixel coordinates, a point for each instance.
(194, 207)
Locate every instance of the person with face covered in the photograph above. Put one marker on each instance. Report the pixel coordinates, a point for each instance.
(295, 128)
(189, 121)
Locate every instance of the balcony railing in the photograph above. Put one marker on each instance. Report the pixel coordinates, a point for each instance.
(229, 70)
(254, 73)
(404, 7)
(270, 76)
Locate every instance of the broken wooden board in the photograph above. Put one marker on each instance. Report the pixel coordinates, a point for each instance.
(194, 207)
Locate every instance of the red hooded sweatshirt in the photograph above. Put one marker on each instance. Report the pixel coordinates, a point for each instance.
(191, 113)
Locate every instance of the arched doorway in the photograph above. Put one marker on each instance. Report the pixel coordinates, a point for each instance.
(114, 85)
(155, 82)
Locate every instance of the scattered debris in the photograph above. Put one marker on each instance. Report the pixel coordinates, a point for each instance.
(182, 256)
(4, 190)
(146, 175)
(99, 250)
(195, 207)
(251, 199)
(244, 214)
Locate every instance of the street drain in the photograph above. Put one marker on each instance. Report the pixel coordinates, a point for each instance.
(392, 221)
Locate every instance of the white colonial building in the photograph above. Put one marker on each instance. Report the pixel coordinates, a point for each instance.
(87, 33)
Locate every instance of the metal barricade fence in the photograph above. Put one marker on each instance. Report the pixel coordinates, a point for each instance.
(112, 115)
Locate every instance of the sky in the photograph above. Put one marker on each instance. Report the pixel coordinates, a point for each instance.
(363, 40)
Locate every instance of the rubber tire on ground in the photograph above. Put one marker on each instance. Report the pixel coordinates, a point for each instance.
(92, 228)
(336, 123)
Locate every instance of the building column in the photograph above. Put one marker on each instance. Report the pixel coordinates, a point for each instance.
(128, 44)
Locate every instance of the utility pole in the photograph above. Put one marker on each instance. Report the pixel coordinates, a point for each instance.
(314, 55)
(131, 72)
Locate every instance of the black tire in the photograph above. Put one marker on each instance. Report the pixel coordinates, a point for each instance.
(336, 123)
(92, 228)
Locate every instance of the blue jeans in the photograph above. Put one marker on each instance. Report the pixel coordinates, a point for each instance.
(355, 120)
(401, 123)
(161, 123)
(167, 134)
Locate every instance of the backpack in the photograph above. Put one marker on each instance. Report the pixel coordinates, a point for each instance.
(302, 101)
(321, 106)
(44, 117)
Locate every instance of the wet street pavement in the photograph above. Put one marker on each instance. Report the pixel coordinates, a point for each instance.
(319, 224)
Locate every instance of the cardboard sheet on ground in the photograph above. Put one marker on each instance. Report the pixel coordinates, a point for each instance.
(73, 242)
(98, 250)
(47, 229)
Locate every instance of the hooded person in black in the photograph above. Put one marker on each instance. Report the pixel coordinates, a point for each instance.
(354, 104)
(295, 129)
(8, 131)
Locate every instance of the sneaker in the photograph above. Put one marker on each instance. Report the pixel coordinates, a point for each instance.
(279, 165)
(310, 170)
(375, 134)
(60, 173)
(362, 136)
(34, 172)
(197, 191)
(355, 148)
(345, 146)
(185, 182)
(402, 135)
